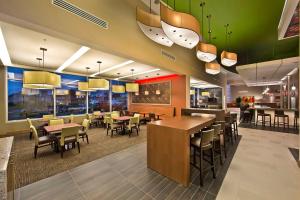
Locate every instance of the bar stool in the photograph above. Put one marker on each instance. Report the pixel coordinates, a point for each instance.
(205, 143)
(222, 133)
(233, 119)
(228, 128)
(280, 114)
(263, 115)
(218, 141)
(296, 117)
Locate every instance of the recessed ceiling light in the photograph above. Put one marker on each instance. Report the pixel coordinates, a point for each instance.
(73, 58)
(4, 55)
(113, 67)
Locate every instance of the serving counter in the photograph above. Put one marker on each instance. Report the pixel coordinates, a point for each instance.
(271, 111)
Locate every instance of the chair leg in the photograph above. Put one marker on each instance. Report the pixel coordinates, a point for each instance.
(288, 122)
(87, 138)
(213, 162)
(30, 135)
(62, 149)
(221, 153)
(35, 151)
(256, 120)
(78, 146)
(201, 168)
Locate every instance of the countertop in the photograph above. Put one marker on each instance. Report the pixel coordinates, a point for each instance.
(284, 109)
(5, 150)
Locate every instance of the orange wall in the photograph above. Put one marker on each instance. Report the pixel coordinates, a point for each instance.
(178, 96)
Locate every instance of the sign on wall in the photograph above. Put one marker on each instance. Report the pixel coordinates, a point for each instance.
(153, 93)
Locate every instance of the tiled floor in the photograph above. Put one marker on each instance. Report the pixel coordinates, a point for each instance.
(263, 168)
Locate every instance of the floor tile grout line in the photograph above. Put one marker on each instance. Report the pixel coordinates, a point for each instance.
(77, 186)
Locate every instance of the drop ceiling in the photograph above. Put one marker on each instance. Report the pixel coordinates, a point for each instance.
(271, 71)
(24, 47)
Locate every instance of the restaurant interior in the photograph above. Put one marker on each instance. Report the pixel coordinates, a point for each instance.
(149, 99)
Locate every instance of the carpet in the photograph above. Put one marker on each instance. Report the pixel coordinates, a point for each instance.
(48, 163)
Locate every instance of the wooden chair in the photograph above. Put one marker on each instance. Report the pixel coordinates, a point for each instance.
(151, 117)
(71, 119)
(53, 122)
(105, 120)
(279, 114)
(263, 115)
(112, 126)
(138, 116)
(133, 124)
(200, 145)
(222, 133)
(30, 124)
(218, 141)
(48, 117)
(85, 127)
(40, 141)
(296, 117)
(69, 136)
(93, 122)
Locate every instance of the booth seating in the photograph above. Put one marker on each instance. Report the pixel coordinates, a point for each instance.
(279, 114)
(264, 117)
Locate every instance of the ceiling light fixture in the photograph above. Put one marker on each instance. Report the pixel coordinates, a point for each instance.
(228, 58)
(73, 58)
(4, 55)
(206, 52)
(157, 92)
(84, 86)
(98, 83)
(181, 28)
(132, 87)
(139, 73)
(212, 68)
(118, 88)
(293, 87)
(113, 67)
(41, 79)
(150, 25)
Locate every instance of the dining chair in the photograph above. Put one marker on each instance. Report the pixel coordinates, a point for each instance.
(69, 135)
(71, 119)
(30, 124)
(218, 141)
(201, 145)
(85, 127)
(113, 127)
(92, 121)
(53, 122)
(222, 132)
(40, 141)
(105, 119)
(139, 117)
(115, 113)
(133, 124)
(48, 117)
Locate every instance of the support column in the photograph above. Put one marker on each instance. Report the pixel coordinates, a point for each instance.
(288, 91)
(54, 102)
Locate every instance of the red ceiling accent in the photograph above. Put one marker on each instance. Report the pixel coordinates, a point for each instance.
(157, 79)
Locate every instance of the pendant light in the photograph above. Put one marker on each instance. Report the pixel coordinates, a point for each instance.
(84, 86)
(118, 88)
(132, 87)
(157, 92)
(206, 52)
(212, 67)
(150, 24)
(181, 28)
(98, 83)
(228, 58)
(41, 79)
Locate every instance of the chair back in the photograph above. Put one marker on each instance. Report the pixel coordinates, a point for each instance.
(222, 123)
(137, 115)
(69, 132)
(115, 114)
(35, 135)
(48, 117)
(71, 119)
(152, 116)
(88, 117)
(56, 122)
(227, 119)
(217, 129)
(296, 114)
(29, 122)
(86, 124)
(202, 115)
(260, 111)
(96, 113)
(233, 117)
(207, 137)
(279, 112)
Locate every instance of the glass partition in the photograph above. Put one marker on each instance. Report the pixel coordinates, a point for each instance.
(23, 103)
(99, 101)
(119, 100)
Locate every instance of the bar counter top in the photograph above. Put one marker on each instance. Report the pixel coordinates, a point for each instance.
(284, 109)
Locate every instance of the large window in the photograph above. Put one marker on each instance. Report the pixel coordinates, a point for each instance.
(119, 100)
(68, 99)
(99, 100)
(23, 103)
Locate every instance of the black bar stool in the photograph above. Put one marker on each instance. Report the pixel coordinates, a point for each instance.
(279, 114)
(296, 117)
(263, 115)
(233, 119)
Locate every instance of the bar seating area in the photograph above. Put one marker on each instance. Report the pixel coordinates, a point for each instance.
(149, 100)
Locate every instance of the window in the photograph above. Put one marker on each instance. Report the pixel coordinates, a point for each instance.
(99, 101)
(23, 103)
(68, 99)
(119, 100)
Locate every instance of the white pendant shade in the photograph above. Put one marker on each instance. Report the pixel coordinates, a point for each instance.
(212, 68)
(132, 87)
(98, 84)
(61, 92)
(151, 27)
(41, 80)
(118, 88)
(228, 59)
(206, 52)
(181, 28)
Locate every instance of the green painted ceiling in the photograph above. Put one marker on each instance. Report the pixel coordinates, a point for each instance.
(253, 24)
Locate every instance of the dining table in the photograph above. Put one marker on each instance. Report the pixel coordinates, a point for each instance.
(159, 115)
(56, 129)
(122, 120)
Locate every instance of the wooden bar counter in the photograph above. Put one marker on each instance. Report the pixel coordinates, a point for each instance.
(168, 145)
